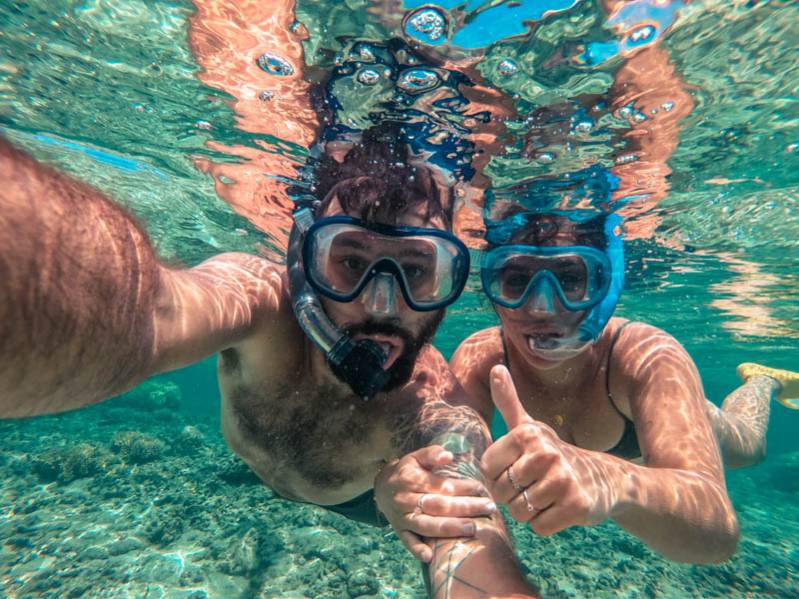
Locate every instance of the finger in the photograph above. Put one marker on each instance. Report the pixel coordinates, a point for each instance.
(500, 455)
(459, 507)
(416, 545)
(529, 468)
(518, 508)
(554, 519)
(432, 457)
(503, 392)
(544, 494)
(440, 527)
(422, 481)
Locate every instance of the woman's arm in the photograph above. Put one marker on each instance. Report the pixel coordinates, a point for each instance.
(86, 309)
(677, 502)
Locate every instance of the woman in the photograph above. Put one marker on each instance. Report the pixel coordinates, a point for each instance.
(606, 417)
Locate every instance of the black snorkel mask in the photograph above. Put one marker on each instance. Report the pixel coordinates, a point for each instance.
(358, 363)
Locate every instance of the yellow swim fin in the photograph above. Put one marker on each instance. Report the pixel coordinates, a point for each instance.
(789, 380)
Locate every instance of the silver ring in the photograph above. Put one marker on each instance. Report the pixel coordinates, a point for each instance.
(530, 507)
(420, 504)
(512, 480)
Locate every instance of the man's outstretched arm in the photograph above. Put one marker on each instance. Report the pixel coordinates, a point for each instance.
(86, 309)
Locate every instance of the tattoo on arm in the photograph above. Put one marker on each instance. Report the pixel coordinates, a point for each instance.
(459, 429)
(462, 431)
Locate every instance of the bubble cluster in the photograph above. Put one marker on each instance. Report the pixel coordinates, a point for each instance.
(275, 65)
(427, 25)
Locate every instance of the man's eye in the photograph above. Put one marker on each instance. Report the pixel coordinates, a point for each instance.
(353, 263)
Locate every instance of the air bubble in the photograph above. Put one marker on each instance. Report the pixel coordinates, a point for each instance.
(584, 127)
(418, 80)
(275, 65)
(546, 157)
(366, 54)
(507, 68)
(626, 159)
(368, 76)
(642, 34)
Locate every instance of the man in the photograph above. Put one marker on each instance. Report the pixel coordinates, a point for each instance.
(87, 311)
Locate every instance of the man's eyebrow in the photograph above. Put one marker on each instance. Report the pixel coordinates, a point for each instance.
(350, 242)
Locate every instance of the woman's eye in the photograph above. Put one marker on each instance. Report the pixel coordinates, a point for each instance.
(413, 272)
(516, 281)
(571, 280)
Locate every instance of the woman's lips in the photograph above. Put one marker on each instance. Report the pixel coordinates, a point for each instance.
(543, 340)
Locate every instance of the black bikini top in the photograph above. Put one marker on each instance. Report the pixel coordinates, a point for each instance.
(627, 447)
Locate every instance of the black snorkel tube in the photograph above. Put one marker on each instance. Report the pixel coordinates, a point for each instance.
(358, 363)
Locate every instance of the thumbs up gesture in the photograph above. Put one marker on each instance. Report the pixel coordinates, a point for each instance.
(543, 480)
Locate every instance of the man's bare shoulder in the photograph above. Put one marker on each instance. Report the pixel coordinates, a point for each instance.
(478, 353)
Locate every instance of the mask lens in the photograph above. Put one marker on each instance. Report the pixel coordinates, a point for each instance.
(343, 257)
(511, 274)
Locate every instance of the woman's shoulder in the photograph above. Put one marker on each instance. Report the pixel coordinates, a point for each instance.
(622, 332)
(636, 348)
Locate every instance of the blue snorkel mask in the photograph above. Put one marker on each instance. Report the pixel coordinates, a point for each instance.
(582, 278)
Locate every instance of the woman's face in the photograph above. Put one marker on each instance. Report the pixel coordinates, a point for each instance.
(543, 330)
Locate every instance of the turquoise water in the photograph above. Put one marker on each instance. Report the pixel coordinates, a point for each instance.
(163, 106)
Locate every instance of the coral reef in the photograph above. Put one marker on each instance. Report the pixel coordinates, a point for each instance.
(136, 447)
(189, 519)
(72, 462)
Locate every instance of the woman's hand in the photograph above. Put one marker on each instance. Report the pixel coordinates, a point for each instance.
(543, 480)
(419, 502)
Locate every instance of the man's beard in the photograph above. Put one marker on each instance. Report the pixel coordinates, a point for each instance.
(401, 370)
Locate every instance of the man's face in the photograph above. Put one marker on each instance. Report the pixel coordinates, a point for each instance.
(400, 330)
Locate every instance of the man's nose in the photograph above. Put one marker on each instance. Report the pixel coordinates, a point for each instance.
(542, 298)
(379, 297)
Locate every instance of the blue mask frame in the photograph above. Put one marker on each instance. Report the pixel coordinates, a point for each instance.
(600, 308)
(590, 256)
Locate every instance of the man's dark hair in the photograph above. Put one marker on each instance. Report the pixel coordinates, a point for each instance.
(377, 181)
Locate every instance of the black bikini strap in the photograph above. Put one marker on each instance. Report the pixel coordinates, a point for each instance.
(504, 348)
(613, 341)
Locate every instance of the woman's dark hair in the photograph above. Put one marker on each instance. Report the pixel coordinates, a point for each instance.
(377, 181)
(540, 228)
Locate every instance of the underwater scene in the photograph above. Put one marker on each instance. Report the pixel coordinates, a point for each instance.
(646, 149)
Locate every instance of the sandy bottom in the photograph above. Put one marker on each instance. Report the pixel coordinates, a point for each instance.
(138, 498)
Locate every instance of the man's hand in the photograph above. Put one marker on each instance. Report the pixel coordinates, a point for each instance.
(543, 480)
(419, 503)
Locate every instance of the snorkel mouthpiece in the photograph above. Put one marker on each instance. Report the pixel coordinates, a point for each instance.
(358, 363)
